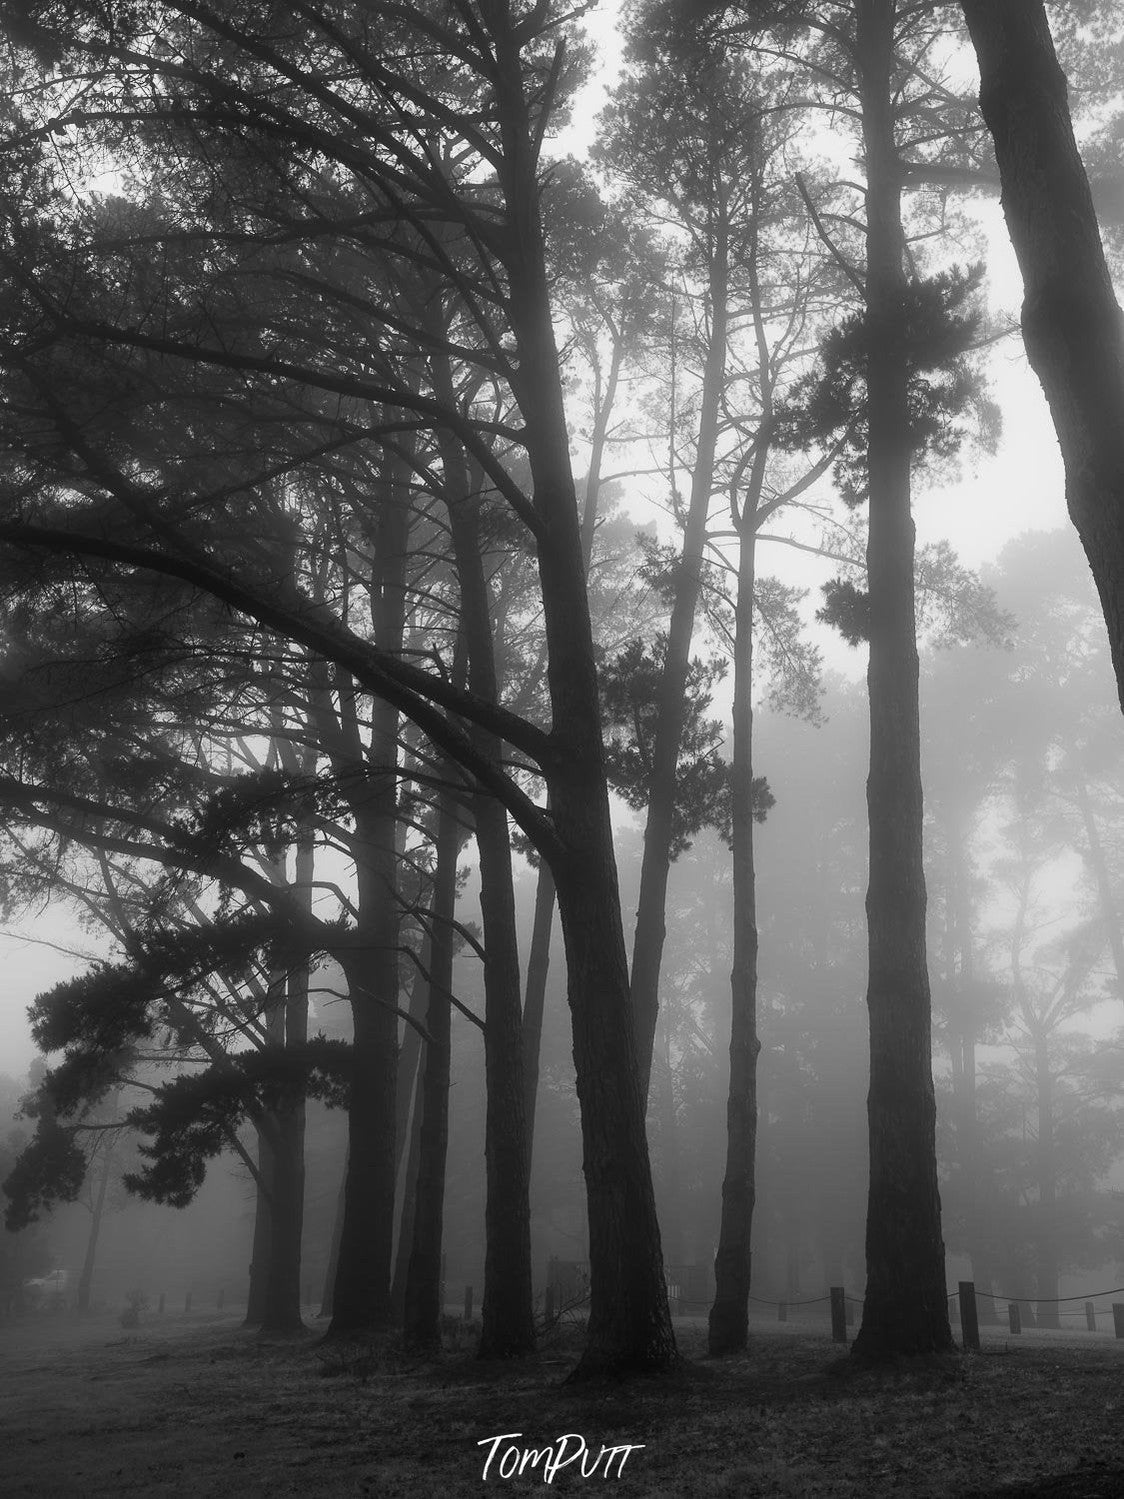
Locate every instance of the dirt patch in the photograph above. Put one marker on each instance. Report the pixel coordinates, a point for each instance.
(198, 1407)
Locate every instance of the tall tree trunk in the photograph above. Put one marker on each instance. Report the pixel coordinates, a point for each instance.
(263, 1233)
(361, 1294)
(1110, 915)
(629, 1323)
(671, 1175)
(648, 942)
(328, 1292)
(507, 1320)
(1072, 325)
(408, 1172)
(534, 1002)
(960, 978)
(422, 1313)
(1047, 1273)
(86, 1279)
(905, 1311)
(286, 1025)
(729, 1316)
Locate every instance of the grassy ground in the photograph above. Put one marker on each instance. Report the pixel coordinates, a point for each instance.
(195, 1406)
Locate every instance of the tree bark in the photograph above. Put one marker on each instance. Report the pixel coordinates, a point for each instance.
(1071, 320)
(534, 1002)
(1099, 865)
(328, 1293)
(629, 1324)
(86, 1279)
(1047, 1273)
(728, 1328)
(408, 1170)
(648, 941)
(422, 1319)
(260, 1252)
(361, 1293)
(905, 1310)
(507, 1313)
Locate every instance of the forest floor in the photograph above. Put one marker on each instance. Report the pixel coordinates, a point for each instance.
(195, 1406)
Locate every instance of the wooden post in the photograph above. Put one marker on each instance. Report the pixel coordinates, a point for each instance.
(969, 1322)
(187, 1303)
(1118, 1318)
(468, 1303)
(549, 1305)
(1014, 1317)
(160, 1309)
(1090, 1317)
(782, 1311)
(838, 1315)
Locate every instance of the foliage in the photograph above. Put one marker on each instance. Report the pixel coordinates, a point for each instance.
(932, 331)
(631, 683)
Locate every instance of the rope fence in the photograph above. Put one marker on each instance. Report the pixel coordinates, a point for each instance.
(568, 1290)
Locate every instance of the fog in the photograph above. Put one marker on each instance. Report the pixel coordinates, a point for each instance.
(561, 580)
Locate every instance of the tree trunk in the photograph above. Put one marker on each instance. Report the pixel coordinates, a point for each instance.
(507, 1313)
(86, 1279)
(1047, 1273)
(1071, 320)
(729, 1316)
(422, 1314)
(408, 1171)
(960, 977)
(328, 1293)
(263, 1234)
(648, 942)
(1097, 862)
(361, 1295)
(905, 1310)
(670, 1197)
(534, 1003)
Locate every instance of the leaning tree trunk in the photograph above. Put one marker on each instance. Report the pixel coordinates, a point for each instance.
(1072, 325)
(629, 1323)
(905, 1310)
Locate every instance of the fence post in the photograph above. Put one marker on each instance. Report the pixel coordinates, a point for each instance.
(782, 1311)
(1014, 1317)
(468, 1303)
(969, 1322)
(838, 1315)
(1090, 1317)
(1118, 1318)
